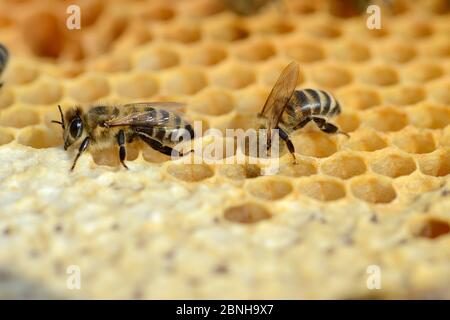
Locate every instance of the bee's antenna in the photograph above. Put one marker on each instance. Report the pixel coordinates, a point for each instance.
(62, 118)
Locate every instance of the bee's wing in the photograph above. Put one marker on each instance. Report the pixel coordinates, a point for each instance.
(168, 105)
(161, 115)
(279, 96)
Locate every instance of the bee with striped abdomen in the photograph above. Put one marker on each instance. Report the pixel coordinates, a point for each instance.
(160, 125)
(287, 109)
(4, 57)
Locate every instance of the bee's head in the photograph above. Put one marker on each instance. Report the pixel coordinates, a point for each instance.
(72, 124)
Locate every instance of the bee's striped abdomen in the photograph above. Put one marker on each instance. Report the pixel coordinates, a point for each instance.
(160, 134)
(164, 117)
(167, 125)
(335, 109)
(314, 102)
(4, 56)
(307, 102)
(171, 127)
(152, 113)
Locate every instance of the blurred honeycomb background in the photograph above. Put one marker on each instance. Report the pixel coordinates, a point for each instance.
(170, 230)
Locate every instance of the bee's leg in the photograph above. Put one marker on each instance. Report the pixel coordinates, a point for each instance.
(168, 150)
(83, 148)
(122, 149)
(302, 123)
(327, 127)
(158, 146)
(289, 144)
(269, 140)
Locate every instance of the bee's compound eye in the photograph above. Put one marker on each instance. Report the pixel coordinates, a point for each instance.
(76, 128)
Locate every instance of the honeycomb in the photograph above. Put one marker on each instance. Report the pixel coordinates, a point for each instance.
(165, 229)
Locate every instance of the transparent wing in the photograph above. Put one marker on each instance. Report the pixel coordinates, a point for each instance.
(161, 114)
(279, 96)
(168, 105)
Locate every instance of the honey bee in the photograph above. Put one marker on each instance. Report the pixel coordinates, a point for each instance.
(4, 57)
(160, 125)
(287, 109)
